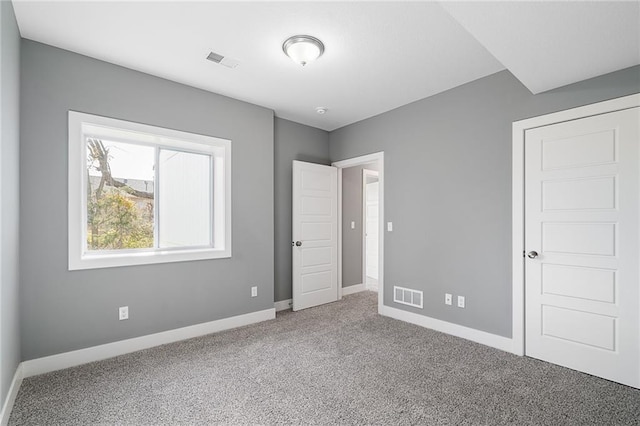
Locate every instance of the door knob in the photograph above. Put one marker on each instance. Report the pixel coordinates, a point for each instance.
(532, 254)
(298, 243)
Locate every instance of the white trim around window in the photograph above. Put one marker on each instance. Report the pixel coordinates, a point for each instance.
(83, 125)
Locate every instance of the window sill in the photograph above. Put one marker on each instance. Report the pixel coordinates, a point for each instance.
(113, 260)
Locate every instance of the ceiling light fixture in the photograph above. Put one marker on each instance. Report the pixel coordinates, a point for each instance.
(303, 49)
(322, 110)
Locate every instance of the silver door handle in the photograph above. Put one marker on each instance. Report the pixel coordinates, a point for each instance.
(532, 254)
(298, 243)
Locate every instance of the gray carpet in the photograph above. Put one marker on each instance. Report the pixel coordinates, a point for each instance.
(336, 364)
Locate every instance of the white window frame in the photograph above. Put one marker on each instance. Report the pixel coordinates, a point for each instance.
(81, 125)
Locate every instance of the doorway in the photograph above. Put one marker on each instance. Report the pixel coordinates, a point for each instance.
(360, 223)
(320, 220)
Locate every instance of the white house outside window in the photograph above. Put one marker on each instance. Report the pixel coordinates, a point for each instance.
(141, 194)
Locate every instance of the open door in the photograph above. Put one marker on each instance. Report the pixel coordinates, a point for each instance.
(315, 235)
(371, 210)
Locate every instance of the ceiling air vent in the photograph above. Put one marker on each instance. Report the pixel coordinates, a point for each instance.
(222, 60)
(214, 57)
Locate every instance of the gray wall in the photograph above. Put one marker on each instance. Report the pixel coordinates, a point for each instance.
(448, 188)
(352, 212)
(292, 141)
(62, 310)
(9, 186)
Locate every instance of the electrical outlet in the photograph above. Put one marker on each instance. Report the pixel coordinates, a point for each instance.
(460, 301)
(448, 298)
(123, 313)
(254, 291)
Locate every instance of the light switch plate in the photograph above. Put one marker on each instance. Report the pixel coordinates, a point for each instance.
(353, 225)
(389, 226)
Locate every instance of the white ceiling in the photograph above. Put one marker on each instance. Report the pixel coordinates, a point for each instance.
(379, 55)
(551, 44)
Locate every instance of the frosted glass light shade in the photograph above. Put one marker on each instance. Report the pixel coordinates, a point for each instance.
(303, 49)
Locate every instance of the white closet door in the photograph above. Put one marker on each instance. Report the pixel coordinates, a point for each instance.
(582, 220)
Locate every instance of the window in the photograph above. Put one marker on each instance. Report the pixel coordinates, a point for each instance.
(141, 194)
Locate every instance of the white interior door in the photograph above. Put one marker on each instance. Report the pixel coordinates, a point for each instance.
(582, 218)
(371, 229)
(315, 235)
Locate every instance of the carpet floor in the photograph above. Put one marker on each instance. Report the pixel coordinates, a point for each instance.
(340, 363)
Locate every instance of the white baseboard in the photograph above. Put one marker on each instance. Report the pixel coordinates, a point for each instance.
(488, 339)
(109, 350)
(371, 284)
(357, 288)
(11, 396)
(283, 305)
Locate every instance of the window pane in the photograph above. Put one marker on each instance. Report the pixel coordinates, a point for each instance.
(184, 208)
(120, 198)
